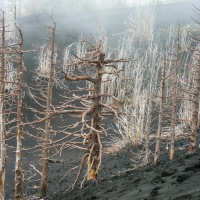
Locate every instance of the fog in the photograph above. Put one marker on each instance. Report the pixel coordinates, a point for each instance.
(27, 6)
(87, 17)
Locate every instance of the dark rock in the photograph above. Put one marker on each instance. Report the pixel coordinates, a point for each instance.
(182, 177)
(188, 156)
(157, 179)
(194, 167)
(168, 172)
(136, 180)
(54, 161)
(154, 192)
(197, 165)
(93, 197)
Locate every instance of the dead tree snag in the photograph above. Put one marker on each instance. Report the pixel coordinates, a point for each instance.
(18, 163)
(45, 156)
(160, 120)
(91, 67)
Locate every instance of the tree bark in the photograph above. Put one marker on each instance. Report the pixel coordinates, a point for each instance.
(94, 142)
(18, 163)
(44, 176)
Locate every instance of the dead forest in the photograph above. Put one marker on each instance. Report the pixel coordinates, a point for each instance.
(144, 90)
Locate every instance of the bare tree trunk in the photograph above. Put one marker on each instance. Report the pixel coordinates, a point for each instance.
(94, 143)
(157, 150)
(173, 109)
(44, 176)
(2, 114)
(147, 131)
(18, 163)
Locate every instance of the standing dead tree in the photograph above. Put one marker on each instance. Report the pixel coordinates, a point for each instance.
(195, 91)
(196, 94)
(18, 163)
(40, 91)
(175, 44)
(174, 98)
(192, 93)
(190, 82)
(85, 64)
(91, 66)
(50, 73)
(160, 120)
(7, 88)
(136, 88)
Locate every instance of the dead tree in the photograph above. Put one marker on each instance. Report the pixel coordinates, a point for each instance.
(7, 89)
(160, 120)
(191, 88)
(137, 87)
(18, 162)
(88, 102)
(174, 98)
(87, 66)
(195, 92)
(191, 96)
(45, 156)
(92, 108)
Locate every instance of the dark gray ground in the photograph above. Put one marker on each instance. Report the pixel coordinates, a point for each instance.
(177, 179)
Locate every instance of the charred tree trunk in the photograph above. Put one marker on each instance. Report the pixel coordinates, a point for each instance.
(45, 155)
(158, 137)
(2, 114)
(18, 163)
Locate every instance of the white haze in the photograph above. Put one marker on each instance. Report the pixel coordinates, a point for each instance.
(26, 7)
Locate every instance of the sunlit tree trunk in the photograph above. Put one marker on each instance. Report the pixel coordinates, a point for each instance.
(2, 113)
(44, 176)
(18, 163)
